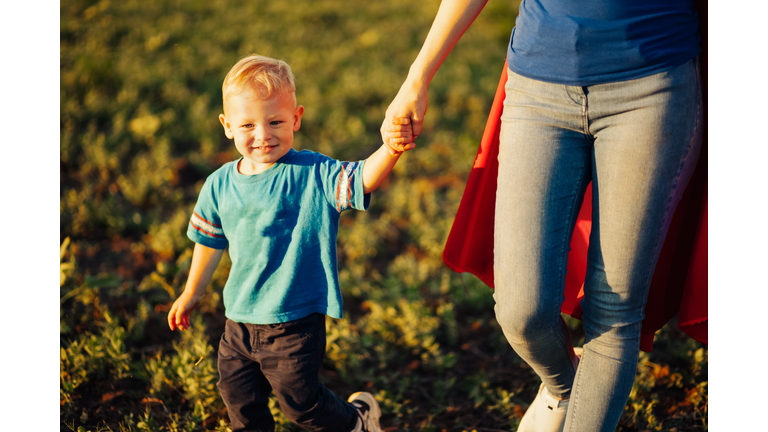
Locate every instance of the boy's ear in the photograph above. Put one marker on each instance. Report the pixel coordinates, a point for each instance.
(227, 127)
(297, 117)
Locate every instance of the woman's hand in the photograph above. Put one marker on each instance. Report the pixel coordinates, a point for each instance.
(452, 20)
(411, 103)
(399, 133)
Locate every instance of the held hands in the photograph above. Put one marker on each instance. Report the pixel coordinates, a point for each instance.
(398, 135)
(410, 104)
(178, 317)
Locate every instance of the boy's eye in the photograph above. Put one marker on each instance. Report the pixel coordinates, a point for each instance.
(275, 122)
(249, 125)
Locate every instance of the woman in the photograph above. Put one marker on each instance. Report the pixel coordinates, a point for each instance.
(599, 91)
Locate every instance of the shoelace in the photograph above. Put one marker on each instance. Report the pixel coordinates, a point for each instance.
(362, 411)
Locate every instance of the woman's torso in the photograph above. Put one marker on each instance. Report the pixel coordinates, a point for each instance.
(598, 41)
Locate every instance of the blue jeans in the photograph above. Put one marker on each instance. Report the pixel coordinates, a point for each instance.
(638, 142)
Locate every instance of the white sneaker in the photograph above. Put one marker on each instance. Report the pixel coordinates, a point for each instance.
(547, 414)
(578, 351)
(368, 411)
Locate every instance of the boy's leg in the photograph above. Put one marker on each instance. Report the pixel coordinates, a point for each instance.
(242, 385)
(291, 355)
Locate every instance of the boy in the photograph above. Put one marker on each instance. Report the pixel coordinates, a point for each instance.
(277, 210)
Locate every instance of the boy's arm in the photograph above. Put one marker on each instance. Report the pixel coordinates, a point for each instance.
(377, 167)
(204, 263)
(379, 164)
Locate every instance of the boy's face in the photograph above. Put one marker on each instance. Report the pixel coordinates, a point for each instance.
(262, 128)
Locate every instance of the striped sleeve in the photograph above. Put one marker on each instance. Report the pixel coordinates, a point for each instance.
(204, 224)
(343, 183)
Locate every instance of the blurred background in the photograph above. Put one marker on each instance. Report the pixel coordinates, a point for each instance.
(140, 93)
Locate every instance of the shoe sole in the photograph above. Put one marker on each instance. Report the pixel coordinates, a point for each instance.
(375, 412)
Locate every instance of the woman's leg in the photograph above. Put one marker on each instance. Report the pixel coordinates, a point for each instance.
(544, 168)
(647, 141)
(639, 140)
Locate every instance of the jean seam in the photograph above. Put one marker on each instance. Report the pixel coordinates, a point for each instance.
(569, 232)
(585, 114)
(676, 182)
(564, 252)
(573, 406)
(559, 337)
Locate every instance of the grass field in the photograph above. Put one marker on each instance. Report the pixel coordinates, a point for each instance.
(140, 95)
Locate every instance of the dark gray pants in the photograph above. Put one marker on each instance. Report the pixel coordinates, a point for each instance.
(286, 357)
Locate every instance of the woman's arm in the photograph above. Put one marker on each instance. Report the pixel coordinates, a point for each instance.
(453, 18)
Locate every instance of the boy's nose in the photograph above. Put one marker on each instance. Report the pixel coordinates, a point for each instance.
(262, 133)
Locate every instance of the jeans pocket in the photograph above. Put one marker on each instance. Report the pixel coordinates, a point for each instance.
(232, 344)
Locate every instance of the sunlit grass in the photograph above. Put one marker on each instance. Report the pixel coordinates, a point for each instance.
(140, 95)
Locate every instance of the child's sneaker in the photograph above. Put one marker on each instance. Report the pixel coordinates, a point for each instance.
(368, 410)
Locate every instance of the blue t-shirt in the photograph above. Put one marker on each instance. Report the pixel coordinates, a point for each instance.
(600, 41)
(280, 227)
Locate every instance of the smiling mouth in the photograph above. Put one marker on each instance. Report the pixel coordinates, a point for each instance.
(264, 147)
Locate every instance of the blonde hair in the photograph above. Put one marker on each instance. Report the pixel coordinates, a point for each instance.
(264, 76)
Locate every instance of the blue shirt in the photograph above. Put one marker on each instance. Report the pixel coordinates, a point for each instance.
(280, 227)
(591, 42)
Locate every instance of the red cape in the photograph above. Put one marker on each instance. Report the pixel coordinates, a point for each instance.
(679, 282)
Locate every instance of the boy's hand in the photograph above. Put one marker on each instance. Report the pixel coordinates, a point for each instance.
(178, 317)
(398, 135)
(204, 262)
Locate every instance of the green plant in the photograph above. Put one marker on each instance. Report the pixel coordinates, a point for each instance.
(140, 93)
